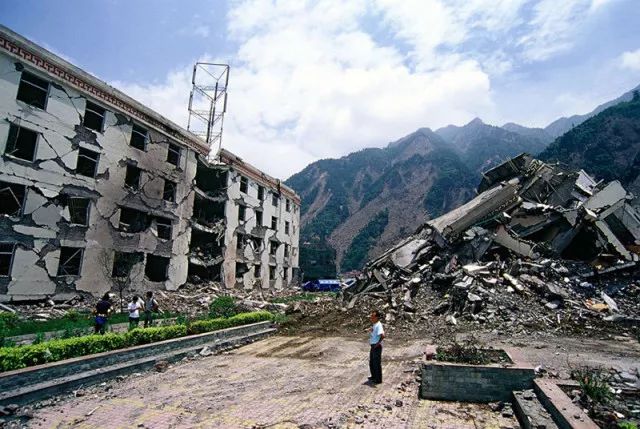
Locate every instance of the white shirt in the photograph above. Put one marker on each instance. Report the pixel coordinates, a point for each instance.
(376, 332)
(134, 309)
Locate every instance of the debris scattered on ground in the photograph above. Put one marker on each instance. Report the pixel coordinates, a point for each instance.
(540, 248)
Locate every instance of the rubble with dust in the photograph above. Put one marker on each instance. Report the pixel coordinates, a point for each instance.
(540, 247)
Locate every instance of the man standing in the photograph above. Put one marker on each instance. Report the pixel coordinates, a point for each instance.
(150, 307)
(375, 354)
(102, 311)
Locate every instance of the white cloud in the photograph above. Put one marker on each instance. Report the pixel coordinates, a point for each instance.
(310, 81)
(631, 60)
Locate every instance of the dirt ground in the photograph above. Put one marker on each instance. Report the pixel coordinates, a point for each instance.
(307, 382)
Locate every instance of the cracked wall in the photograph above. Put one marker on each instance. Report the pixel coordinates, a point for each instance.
(246, 256)
(51, 180)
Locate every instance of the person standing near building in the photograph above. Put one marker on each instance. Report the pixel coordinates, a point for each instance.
(150, 307)
(102, 311)
(375, 342)
(134, 311)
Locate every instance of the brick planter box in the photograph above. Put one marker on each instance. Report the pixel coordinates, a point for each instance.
(475, 383)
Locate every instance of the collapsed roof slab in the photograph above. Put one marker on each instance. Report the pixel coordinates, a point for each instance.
(484, 206)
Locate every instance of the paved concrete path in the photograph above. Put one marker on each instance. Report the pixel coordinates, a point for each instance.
(281, 382)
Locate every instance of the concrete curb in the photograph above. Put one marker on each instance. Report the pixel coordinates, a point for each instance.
(564, 412)
(34, 383)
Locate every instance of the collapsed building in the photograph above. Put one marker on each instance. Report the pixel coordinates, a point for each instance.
(536, 233)
(95, 186)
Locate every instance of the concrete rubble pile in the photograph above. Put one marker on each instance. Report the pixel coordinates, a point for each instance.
(539, 245)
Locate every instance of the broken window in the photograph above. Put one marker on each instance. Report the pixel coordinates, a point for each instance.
(33, 90)
(157, 268)
(244, 184)
(70, 261)
(87, 162)
(21, 143)
(273, 248)
(11, 198)
(79, 210)
(274, 223)
(139, 137)
(272, 272)
(242, 212)
(163, 226)
(274, 200)
(287, 202)
(286, 227)
(123, 262)
(240, 242)
(241, 270)
(6, 258)
(169, 193)
(132, 220)
(257, 243)
(258, 217)
(132, 177)
(94, 116)
(257, 270)
(173, 154)
(260, 193)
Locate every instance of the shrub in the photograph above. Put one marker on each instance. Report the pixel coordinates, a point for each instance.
(201, 326)
(51, 351)
(74, 315)
(594, 384)
(223, 306)
(8, 321)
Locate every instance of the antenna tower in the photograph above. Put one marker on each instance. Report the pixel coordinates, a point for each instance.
(208, 103)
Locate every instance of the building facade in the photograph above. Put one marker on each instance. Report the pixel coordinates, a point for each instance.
(98, 191)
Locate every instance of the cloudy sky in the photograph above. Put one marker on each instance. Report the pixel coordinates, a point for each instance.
(319, 79)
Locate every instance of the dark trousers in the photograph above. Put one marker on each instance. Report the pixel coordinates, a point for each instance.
(375, 363)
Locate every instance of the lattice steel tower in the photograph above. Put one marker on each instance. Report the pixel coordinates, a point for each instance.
(208, 103)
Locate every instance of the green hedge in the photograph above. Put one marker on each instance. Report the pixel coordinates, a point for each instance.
(202, 326)
(51, 351)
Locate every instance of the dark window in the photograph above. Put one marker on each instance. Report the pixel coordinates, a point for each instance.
(242, 212)
(93, 117)
(285, 275)
(286, 227)
(244, 184)
(157, 268)
(173, 154)
(274, 200)
(164, 227)
(21, 143)
(33, 90)
(138, 137)
(79, 210)
(70, 261)
(11, 198)
(286, 250)
(287, 202)
(260, 193)
(132, 177)
(6, 258)
(240, 242)
(258, 218)
(273, 248)
(123, 262)
(132, 220)
(274, 222)
(272, 272)
(241, 270)
(257, 270)
(257, 243)
(169, 193)
(87, 162)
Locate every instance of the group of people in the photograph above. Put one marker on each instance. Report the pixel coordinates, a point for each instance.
(104, 308)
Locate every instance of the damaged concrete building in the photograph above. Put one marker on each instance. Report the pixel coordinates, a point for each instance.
(246, 226)
(95, 186)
